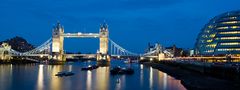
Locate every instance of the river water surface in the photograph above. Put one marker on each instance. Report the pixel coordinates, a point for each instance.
(42, 77)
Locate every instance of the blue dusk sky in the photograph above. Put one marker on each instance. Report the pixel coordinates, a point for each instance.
(132, 23)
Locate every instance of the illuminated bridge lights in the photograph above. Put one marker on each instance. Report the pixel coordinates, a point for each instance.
(83, 35)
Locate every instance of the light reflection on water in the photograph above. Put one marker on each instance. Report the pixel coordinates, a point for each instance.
(42, 77)
(89, 79)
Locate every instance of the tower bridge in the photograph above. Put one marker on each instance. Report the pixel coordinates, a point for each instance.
(58, 36)
(53, 47)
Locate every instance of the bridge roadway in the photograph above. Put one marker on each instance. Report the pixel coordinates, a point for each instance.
(79, 55)
(31, 55)
(94, 55)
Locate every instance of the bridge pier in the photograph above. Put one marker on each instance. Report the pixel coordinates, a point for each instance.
(104, 57)
(5, 52)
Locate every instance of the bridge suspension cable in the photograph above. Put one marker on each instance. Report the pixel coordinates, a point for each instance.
(37, 50)
(150, 53)
(118, 50)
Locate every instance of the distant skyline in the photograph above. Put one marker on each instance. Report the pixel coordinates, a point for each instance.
(132, 23)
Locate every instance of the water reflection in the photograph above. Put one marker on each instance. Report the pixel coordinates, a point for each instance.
(164, 81)
(89, 80)
(55, 82)
(42, 77)
(151, 78)
(102, 77)
(70, 68)
(141, 74)
(5, 76)
(40, 81)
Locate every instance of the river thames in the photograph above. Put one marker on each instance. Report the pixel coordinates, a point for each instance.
(42, 77)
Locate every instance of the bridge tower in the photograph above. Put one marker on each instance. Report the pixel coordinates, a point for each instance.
(5, 51)
(57, 43)
(103, 41)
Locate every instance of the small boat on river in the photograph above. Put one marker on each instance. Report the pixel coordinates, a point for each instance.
(120, 71)
(90, 68)
(61, 74)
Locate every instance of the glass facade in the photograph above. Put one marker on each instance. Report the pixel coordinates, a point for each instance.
(220, 36)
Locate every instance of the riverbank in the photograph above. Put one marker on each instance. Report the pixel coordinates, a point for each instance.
(194, 80)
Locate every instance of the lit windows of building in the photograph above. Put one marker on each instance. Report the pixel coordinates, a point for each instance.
(220, 28)
(211, 45)
(220, 36)
(231, 32)
(229, 38)
(212, 35)
(234, 27)
(229, 44)
(229, 49)
(230, 22)
(209, 40)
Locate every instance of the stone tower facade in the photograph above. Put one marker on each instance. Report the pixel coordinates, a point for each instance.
(57, 43)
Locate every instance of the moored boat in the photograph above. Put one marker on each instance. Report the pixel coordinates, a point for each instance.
(118, 70)
(61, 74)
(90, 67)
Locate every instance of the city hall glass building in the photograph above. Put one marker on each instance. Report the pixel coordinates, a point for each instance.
(220, 36)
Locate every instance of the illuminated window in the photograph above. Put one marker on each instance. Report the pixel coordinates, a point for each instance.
(209, 51)
(234, 27)
(229, 49)
(212, 45)
(229, 38)
(226, 27)
(212, 35)
(232, 43)
(233, 32)
(230, 22)
(209, 40)
(222, 28)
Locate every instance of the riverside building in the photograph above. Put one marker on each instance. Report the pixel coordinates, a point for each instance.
(221, 36)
